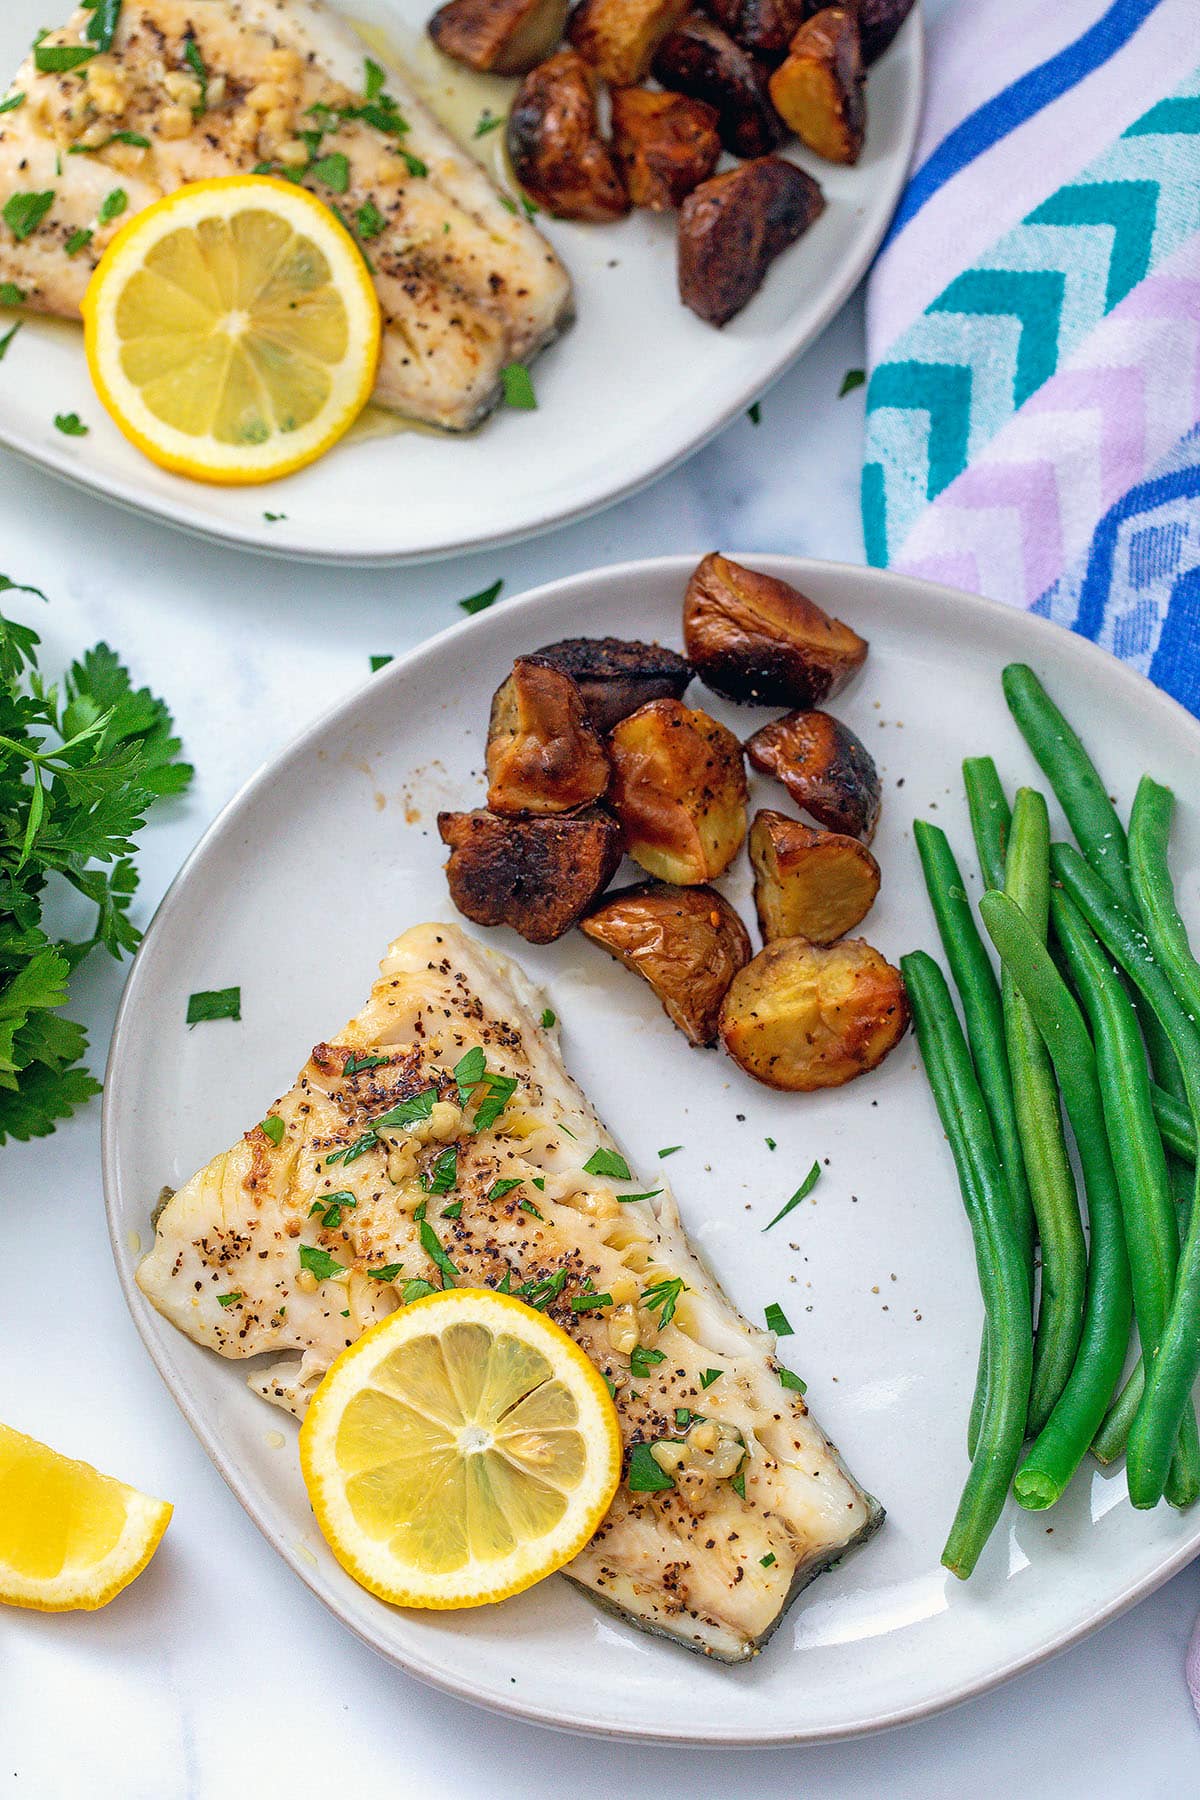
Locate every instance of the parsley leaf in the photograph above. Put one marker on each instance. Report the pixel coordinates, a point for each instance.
(12, 103)
(388, 1272)
(214, 1003)
(354, 1064)
(645, 1476)
(669, 1151)
(768, 1560)
(469, 1071)
(70, 424)
(548, 1019)
(663, 1297)
(333, 171)
(445, 1172)
(274, 1128)
(195, 62)
(409, 1112)
(416, 1290)
(10, 294)
(802, 1192)
(708, 1376)
(853, 378)
(477, 603)
(431, 1244)
(589, 1302)
(328, 1207)
(518, 387)
(777, 1321)
(318, 1262)
(376, 77)
(380, 662)
(102, 25)
(60, 59)
(112, 206)
(369, 220)
(498, 1189)
(487, 121)
(78, 240)
(625, 1199)
(23, 213)
(501, 1089)
(228, 1299)
(641, 1360)
(8, 337)
(607, 1162)
(788, 1380)
(754, 413)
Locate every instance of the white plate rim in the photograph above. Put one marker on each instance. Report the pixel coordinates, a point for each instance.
(1140, 693)
(180, 516)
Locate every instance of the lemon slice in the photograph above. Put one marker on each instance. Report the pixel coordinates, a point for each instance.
(459, 1451)
(232, 329)
(69, 1536)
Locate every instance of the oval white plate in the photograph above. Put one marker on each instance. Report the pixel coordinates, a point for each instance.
(632, 388)
(333, 849)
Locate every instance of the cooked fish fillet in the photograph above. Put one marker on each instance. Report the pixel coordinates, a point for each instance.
(219, 87)
(686, 1562)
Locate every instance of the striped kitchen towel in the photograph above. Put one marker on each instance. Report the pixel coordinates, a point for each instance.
(1033, 325)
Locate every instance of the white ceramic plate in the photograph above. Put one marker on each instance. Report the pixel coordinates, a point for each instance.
(332, 850)
(636, 385)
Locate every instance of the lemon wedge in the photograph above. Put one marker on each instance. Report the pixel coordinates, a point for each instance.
(69, 1536)
(232, 329)
(459, 1451)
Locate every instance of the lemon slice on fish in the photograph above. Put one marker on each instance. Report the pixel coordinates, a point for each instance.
(459, 1451)
(232, 329)
(69, 1536)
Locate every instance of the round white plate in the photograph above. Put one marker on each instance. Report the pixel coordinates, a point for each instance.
(632, 388)
(332, 850)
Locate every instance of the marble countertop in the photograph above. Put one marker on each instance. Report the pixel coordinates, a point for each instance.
(218, 1673)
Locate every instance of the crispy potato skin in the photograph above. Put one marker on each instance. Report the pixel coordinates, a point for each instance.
(765, 26)
(664, 145)
(800, 1017)
(819, 90)
(878, 23)
(703, 61)
(554, 141)
(538, 875)
(824, 767)
(679, 789)
(503, 37)
(752, 637)
(544, 755)
(688, 943)
(733, 226)
(812, 884)
(617, 675)
(619, 37)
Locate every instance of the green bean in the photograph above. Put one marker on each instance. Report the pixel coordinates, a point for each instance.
(1149, 830)
(1039, 1120)
(1060, 1446)
(990, 816)
(1139, 1160)
(964, 1117)
(1170, 1379)
(1092, 817)
(1113, 1436)
(1174, 1123)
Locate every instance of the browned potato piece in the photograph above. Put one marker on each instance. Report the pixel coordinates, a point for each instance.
(679, 790)
(619, 37)
(544, 755)
(765, 26)
(878, 23)
(731, 229)
(802, 1017)
(554, 141)
(824, 767)
(813, 884)
(503, 37)
(702, 60)
(753, 637)
(820, 89)
(665, 145)
(537, 875)
(688, 943)
(617, 675)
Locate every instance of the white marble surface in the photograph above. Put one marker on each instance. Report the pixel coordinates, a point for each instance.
(217, 1673)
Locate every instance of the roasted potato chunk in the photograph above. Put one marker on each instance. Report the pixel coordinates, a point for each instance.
(802, 1017)
(679, 789)
(619, 37)
(500, 37)
(824, 767)
(617, 675)
(765, 26)
(819, 89)
(538, 875)
(544, 755)
(878, 23)
(558, 154)
(752, 637)
(702, 60)
(813, 884)
(688, 943)
(733, 226)
(664, 145)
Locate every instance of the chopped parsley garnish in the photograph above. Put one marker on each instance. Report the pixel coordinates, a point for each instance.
(487, 121)
(78, 240)
(380, 662)
(684, 1417)
(413, 164)
(329, 1207)
(539, 1182)
(708, 1376)
(431, 1244)
(133, 138)
(444, 1173)
(318, 1262)
(853, 378)
(102, 25)
(766, 1561)
(228, 1299)
(770, 1143)
(642, 1360)
(788, 1380)
(518, 387)
(645, 1476)
(70, 424)
(477, 603)
(738, 1484)
(8, 337)
(273, 1127)
(662, 1297)
(353, 1151)
(333, 171)
(354, 1064)
(60, 59)
(453, 1212)
(540, 1293)
(420, 1211)
(777, 1321)
(376, 78)
(802, 1192)
(10, 294)
(528, 1207)
(653, 1194)
(548, 1019)
(23, 213)
(498, 1189)
(214, 1003)
(589, 1302)
(669, 1151)
(409, 1112)
(12, 103)
(610, 1385)
(196, 63)
(416, 1290)
(112, 206)
(754, 413)
(388, 1272)
(469, 1071)
(369, 220)
(501, 1089)
(609, 1163)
